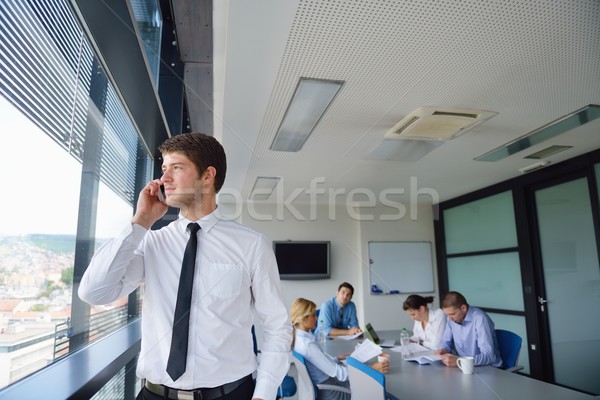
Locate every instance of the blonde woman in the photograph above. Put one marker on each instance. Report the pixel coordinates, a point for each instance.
(322, 367)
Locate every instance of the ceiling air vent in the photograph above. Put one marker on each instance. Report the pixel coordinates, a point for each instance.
(436, 123)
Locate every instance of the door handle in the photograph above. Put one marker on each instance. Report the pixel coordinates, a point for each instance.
(542, 301)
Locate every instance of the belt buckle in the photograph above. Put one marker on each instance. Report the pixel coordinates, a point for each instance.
(186, 395)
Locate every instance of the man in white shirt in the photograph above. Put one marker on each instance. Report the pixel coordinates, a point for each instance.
(235, 276)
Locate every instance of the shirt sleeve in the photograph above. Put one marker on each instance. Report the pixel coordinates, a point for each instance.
(352, 315)
(277, 327)
(326, 363)
(447, 342)
(484, 330)
(325, 322)
(116, 269)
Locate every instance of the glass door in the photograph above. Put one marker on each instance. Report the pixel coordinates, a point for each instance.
(569, 295)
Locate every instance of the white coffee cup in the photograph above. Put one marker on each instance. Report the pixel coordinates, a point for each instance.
(466, 364)
(383, 357)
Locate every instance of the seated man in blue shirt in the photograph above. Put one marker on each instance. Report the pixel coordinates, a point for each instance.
(337, 316)
(469, 333)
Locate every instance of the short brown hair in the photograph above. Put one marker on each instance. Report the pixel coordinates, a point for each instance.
(453, 299)
(203, 150)
(346, 285)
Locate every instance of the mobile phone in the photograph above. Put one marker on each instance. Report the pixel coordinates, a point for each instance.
(161, 193)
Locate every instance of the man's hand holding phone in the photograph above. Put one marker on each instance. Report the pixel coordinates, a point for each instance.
(150, 204)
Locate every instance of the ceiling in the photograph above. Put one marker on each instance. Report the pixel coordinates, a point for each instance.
(531, 62)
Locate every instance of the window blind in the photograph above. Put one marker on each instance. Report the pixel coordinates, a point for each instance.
(46, 71)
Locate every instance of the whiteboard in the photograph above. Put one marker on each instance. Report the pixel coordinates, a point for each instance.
(406, 267)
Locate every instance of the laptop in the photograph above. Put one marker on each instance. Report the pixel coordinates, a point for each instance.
(375, 337)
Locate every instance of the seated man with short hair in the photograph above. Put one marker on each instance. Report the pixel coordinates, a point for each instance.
(469, 332)
(337, 316)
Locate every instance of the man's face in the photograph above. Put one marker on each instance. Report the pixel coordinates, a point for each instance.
(456, 314)
(181, 180)
(344, 295)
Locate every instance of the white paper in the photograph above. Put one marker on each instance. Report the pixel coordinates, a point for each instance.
(424, 358)
(412, 348)
(366, 350)
(346, 337)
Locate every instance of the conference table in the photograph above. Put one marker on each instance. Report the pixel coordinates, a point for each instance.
(411, 380)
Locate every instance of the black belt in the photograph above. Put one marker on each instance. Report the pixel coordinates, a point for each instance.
(195, 394)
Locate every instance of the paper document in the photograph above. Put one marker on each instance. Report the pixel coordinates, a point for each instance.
(346, 337)
(426, 358)
(412, 348)
(418, 353)
(366, 350)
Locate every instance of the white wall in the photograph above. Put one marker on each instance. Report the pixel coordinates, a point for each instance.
(349, 238)
(278, 223)
(385, 311)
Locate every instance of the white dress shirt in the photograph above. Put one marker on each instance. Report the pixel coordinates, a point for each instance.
(320, 365)
(236, 276)
(433, 332)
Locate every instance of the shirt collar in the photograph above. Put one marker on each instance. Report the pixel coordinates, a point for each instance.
(300, 332)
(206, 223)
(468, 316)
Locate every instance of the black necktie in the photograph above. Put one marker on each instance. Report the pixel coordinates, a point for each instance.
(341, 318)
(181, 319)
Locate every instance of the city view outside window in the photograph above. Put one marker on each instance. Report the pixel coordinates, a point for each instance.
(72, 158)
(38, 214)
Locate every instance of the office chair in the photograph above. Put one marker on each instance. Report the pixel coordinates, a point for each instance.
(366, 383)
(306, 388)
(287, 388)
(509, 344)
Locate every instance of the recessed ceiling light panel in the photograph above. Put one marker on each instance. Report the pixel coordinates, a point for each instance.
(309, 102)
(263, 187)
(548, 131)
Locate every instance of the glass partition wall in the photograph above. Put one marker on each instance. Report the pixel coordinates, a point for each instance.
(526, 251)
(483, 261)
(571, 291)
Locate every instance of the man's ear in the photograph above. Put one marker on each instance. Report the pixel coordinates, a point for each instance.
(209, 175)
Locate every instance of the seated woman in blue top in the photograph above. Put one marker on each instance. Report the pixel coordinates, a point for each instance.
(321, 367)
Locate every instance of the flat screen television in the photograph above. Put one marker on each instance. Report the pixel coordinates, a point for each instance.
(298, 260)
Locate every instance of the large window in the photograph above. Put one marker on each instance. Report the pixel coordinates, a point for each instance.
(149, 22)
(73, 158)
(483, 260)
